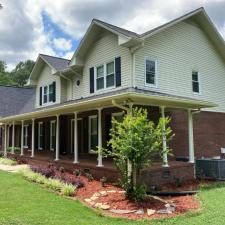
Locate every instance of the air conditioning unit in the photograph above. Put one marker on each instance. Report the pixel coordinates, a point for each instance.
(210, 168)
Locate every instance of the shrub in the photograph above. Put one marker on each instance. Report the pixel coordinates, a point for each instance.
(68, 190)
(70, 179)
(89, 176)
(9, 162)
(77, 172)
(54, 184)
(45, 171)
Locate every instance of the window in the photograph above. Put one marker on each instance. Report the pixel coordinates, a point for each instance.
(100, 77)
(52, 135)
(93, 132)
(45, 94)
(40, 135)
(25, 136)
(110, 74)
(195, 82)
(105, 76)
(51, 93)
(150, 72)
(48, 93)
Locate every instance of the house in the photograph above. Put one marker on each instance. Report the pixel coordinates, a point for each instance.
(177, 70)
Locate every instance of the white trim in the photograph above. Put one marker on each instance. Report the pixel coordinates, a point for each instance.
(71, 133)
(155, 85)
(199, 82)
(89, 132)
(104, 76)
(51, 144)
(26, 136)
(40, 126)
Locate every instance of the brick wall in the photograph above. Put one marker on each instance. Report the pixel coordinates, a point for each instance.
(209, 133)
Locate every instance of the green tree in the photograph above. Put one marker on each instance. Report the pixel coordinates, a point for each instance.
(22, 72)
(4, 76)
(136, 140)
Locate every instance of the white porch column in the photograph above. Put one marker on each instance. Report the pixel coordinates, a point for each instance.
(8, 129)
(22, 130)
(5, 141)
(129, 164)
(165, 159)
(100, 136)
(191, 137)
(13, 138)
(33, 138)
(75, 139)
(57, 139)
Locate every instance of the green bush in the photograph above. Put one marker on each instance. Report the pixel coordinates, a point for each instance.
(54, 184)
(8, 162)
(68, 190)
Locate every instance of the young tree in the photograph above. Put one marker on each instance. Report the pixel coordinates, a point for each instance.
(137, 140)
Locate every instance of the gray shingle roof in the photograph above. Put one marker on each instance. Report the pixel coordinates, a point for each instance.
(56, 62)
(16, 100)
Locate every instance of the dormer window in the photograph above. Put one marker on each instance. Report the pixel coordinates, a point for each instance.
(47, 94)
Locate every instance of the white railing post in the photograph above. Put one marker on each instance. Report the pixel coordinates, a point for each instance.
(33, 138)
(57, 139)
(22, 128)
(191, 137)
(165, 158)
(100, 137)
(75, 139)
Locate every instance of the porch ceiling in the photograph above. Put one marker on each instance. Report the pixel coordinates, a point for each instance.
(138, 97)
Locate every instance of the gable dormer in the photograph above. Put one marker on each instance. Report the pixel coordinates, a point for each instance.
(48, 84)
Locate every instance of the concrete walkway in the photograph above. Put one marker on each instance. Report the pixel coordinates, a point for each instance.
(13, 169)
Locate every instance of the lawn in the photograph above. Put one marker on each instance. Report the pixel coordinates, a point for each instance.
(23, 203)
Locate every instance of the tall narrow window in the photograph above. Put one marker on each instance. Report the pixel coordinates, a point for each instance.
(52, 135)
(93, 132)
(150, 72)
(40, 135)
(25, 136)
(110, 74)
(45, 94)
(51, 93)
(100, 77)
(195, 82)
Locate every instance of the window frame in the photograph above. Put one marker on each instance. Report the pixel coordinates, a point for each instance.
(199, 82)
(51, 144)
(90, 151)
(40, 135)
(48, 95)
(104, 76)
(155, 85)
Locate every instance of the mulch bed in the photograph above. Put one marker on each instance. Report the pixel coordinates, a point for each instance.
(117, 200)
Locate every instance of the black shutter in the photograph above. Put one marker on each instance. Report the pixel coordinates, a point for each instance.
(92, 80)
(54, 91)
(43, 136)
(118, 71)
(40, 97)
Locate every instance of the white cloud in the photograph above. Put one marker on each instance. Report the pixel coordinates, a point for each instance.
(23, 35)
(62, 44)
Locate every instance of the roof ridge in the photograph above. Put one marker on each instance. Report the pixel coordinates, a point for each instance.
(106, 23)
(14, 86)
(54, 57)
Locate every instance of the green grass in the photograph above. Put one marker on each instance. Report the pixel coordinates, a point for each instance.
(8, 162)
(26, 203)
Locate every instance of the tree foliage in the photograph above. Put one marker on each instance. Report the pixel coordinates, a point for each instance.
(17, 76)
(136, 140)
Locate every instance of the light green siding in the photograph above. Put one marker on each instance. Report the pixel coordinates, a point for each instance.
(103, 51)
(46, 78)
(178, 50)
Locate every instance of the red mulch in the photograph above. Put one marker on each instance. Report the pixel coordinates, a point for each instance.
(119, 201)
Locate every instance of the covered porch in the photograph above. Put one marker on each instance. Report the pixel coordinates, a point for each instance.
(69, 133)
